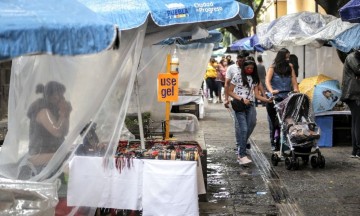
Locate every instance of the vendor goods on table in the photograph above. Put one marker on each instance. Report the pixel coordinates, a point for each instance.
(161, 150)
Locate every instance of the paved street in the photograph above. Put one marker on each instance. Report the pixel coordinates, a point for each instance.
(262, 189)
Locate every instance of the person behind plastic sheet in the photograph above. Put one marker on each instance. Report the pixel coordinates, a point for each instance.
(49, 122)
(351, 96)
(220, 78)
(229, 60)
(244, 86)
(262, 72)
(210, 77)
(280, 80)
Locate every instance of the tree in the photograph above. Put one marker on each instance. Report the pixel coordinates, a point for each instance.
(242, 30)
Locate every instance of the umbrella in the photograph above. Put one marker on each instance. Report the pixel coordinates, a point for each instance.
(323, 91)
(351, 11)
(165, 15)
(247, 43)
(49, 26)
(242, 44)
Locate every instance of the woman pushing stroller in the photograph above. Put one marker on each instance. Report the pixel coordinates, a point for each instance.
(280, 80)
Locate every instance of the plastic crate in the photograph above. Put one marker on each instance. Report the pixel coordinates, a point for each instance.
(326, 125)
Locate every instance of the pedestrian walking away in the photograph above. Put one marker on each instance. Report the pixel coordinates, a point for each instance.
(351, 96)
(210, 77)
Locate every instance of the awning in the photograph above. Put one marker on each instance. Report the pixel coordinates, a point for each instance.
(63, 27)
(130, 14)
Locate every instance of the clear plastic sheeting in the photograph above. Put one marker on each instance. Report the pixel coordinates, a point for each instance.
(312, 61)
(94, 90)
(193, 59)
(27, 198)
(329, 32)
(182, 122)
(290, 29)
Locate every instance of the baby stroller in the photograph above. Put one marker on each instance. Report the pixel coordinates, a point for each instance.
(298, 133)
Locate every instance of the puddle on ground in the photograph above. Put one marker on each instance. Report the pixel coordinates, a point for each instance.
(285, 203)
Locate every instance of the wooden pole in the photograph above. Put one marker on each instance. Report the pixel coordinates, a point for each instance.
(167, 106)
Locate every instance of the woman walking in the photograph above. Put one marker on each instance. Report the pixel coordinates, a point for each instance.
(220, 78)
(210, 77)
(244, 88)
(280, 80)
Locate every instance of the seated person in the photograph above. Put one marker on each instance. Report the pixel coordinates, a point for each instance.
(49, 122)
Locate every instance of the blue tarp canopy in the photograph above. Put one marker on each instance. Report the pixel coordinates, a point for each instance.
(351, 11)
(214, 37)
(247, 43)
(63, 27)
(128, 14)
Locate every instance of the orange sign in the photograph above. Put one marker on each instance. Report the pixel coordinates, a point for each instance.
(168, 87)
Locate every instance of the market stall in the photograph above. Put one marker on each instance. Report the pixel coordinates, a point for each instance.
(96, 88)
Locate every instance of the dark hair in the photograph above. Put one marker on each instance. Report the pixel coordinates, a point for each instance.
(243, 54)
(282, 66)
(50, 88)
(255, 76)
(294, 61)
(259, 58)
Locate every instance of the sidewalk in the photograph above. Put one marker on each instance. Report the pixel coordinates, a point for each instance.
(232, 190)
(262, 189)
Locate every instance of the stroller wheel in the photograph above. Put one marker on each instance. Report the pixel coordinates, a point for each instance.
(296, 163)
(321, 161)
(288, 163)
(275, 159)
(314, 162)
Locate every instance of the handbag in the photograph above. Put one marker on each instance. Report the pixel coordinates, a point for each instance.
(238, 105)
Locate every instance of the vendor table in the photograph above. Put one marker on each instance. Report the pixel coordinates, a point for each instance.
(335, 127)
(186, 100)
(158, 187)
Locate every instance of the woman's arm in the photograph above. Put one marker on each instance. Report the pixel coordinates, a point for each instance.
(260, 97)
(58, 128)
(231, 92)
(293, 79)
(268, 78)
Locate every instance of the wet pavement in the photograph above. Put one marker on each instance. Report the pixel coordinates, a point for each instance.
(261, 188)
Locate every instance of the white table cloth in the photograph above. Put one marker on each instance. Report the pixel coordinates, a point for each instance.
(143, 186)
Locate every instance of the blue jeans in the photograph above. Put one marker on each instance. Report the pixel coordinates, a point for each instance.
(246, 123)
(237, 130)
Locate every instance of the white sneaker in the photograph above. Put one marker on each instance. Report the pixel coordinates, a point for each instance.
(215, 101)
(244, 160)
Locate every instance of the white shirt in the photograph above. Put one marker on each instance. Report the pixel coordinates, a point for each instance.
(241, 90)
(232, 70)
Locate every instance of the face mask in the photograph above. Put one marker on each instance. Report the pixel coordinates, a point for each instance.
(249, 71)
